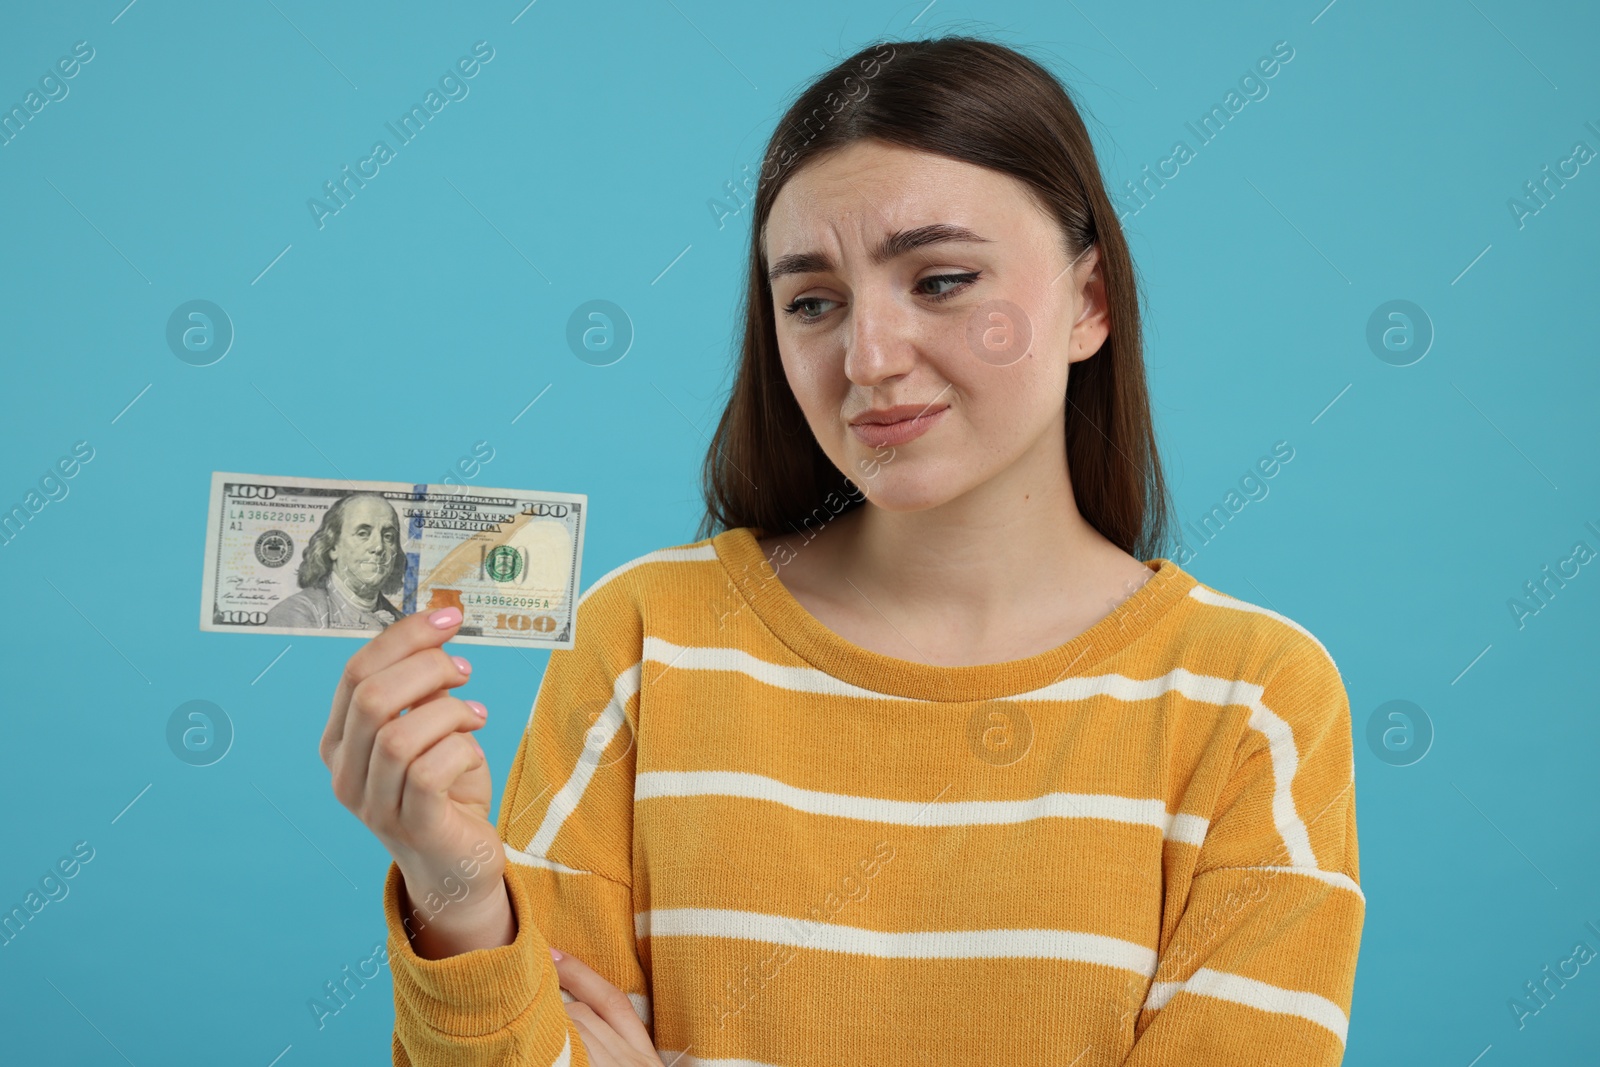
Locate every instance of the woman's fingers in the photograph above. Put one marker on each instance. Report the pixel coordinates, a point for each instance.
(591, 1044)
(607, 1001)
(412, 752)
(378, 700)
(395, 643)
(605, 1048)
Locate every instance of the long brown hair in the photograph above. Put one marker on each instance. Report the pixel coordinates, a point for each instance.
(983, 103)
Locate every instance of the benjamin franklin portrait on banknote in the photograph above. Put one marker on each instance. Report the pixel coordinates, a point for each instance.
(352, 559)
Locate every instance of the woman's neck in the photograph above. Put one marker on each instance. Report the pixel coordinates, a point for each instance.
(972, 561)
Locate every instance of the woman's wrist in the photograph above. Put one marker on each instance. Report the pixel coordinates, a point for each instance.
(452, 916)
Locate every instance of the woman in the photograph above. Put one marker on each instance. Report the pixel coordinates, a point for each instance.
(922, 757)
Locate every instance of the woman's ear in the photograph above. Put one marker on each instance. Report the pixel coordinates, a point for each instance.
(1093, 324)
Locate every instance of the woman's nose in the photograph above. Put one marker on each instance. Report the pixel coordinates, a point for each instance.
(879, 343)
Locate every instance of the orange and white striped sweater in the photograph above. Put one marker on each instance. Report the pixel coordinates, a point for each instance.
(1137, 848)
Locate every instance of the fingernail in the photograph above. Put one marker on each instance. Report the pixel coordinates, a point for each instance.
(479, 747)
(556, 955)
(445, 618)
(461, 665)
(483, 712)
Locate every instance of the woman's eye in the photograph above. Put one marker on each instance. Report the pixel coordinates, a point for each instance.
(795, 308)
(803, 310)
(958, 282)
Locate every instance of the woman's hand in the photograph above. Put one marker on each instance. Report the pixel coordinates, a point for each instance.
(419, 780)
(612, 1033)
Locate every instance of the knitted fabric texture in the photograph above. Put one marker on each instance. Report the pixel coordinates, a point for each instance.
(1136, 848)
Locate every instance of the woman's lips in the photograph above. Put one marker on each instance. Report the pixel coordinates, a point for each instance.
(896, 433)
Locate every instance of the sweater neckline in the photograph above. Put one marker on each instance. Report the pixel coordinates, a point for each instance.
(759, 585)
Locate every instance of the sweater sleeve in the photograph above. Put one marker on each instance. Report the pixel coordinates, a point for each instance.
(566, 824)
(1260, 967)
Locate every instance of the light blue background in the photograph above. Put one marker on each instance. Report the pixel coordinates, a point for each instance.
(429, 312)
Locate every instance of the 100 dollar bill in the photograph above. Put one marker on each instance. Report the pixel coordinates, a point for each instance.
(323, 557)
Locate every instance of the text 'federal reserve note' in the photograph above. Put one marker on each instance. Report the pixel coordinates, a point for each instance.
(324, 557)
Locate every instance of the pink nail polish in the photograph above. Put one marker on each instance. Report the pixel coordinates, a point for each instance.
(556, 955)
(483, 712)
(461, 665)
(445, 618)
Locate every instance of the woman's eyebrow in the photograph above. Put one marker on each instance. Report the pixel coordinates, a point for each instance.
(895, 244)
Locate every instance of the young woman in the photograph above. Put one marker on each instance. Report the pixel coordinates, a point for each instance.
(926, 755)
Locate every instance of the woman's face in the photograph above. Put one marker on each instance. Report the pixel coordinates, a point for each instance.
(976, 330)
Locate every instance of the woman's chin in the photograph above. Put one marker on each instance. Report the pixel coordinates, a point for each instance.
(906, 494)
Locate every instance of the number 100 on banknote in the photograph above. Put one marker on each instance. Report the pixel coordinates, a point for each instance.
(324, 557)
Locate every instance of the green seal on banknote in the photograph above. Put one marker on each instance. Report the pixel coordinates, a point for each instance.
(503, 563)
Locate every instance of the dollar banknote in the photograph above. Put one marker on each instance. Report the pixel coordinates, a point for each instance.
(323, 557)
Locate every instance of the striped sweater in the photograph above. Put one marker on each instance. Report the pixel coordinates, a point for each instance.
(1136, 848)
